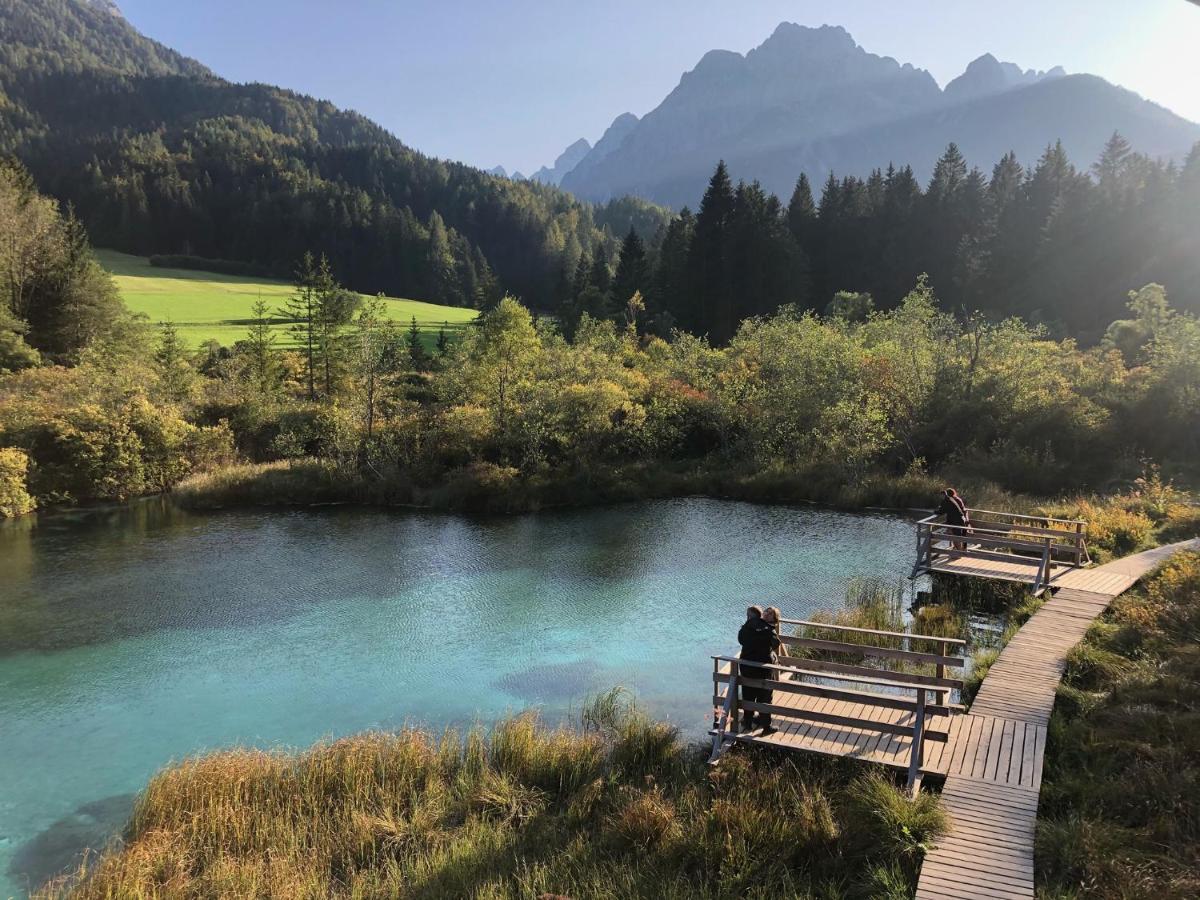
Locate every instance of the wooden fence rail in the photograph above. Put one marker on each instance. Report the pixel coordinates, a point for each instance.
(851, 695)
(1025, 544)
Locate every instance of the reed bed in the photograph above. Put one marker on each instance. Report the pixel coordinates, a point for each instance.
(617, 807)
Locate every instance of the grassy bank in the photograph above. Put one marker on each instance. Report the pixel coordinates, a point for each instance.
(1120, 810)
(617, 808)
(484, 487)
(210, 306)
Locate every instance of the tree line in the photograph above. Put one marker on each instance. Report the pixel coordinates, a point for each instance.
(1053, 244)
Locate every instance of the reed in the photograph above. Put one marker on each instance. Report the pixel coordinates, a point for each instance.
(618, 807)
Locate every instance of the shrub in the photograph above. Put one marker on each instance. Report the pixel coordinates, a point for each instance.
(15, 500)
(1113, 528)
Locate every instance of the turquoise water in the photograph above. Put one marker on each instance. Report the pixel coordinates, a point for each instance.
(132, 637)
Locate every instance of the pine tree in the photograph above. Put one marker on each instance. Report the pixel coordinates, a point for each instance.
(802, 211)
(174, 371)
(711, 311)
(670, 297)
(443, 342)
(1111, 167)
(417, 354)
(260, 349)
(331, 313)
(303, 311)
(633, 274)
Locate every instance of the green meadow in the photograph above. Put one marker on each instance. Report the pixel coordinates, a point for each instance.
(205, 306)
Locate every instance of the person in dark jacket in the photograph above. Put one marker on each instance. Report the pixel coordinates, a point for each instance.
(759, 643)
(954, 508)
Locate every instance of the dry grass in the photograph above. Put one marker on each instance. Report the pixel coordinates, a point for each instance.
(1121, 800)
(617, 808)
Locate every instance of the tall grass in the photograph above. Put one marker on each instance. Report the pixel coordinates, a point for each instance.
(617, 808)
(1120, 814)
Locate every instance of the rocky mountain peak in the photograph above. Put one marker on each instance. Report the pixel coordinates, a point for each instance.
(988, 75)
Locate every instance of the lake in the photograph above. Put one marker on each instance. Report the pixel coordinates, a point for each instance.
(134, 636)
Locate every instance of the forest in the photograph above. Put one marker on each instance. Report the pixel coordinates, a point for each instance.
(853, 405)
(1053, 244)
(157, 155)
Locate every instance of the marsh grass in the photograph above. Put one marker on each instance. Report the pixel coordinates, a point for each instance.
(1120, 813)
(616, 808)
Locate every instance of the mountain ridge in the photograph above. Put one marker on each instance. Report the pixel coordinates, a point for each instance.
(801, 94)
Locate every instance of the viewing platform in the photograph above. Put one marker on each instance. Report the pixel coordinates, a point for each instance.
(888, 716)
(885, 697)
(1038, 551)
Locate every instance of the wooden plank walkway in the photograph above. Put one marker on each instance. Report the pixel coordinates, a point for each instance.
(1025, 569)
(988, 852)
(970, 750)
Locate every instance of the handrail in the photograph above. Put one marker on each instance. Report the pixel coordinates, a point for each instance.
(1070, 537)
(996, 512)
(738, 661)
(936, 659)
(897, 634)
(725, 717)
(832, 692)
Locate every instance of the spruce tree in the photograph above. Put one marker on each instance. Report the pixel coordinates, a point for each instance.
(174, 371)
(669, 300)
(260, 348)
(711, 312)
(302, 310)
(417, 354)
(801, 211)
(633, 275)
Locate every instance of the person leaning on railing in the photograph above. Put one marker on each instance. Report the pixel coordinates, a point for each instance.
(954, 508)
(760, 642)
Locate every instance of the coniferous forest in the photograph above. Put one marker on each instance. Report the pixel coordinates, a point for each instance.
(157, 155)
(1057, 244)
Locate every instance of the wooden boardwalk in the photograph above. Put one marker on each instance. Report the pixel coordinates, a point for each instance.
(988, 852)
(977, 746)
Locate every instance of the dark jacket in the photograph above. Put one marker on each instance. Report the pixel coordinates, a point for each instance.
(759, 640)
(954, 510)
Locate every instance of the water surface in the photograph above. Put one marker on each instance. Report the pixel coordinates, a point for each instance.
(134, 636)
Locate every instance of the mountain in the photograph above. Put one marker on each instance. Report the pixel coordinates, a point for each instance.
(157, 154)
(567, 160)
(987, 75)
(812, 100)
(621, 127)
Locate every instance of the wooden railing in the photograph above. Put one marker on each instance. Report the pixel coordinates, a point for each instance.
(992, 535)
(855, 685)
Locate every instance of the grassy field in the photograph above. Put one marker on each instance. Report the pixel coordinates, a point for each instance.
(206, 306)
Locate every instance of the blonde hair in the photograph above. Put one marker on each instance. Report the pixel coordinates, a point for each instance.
(774, 615)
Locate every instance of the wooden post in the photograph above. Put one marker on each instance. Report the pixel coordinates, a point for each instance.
(734, 705)
(730, 716)
(716, 684)
(1044, 572)
(941, 673)
(918, 739)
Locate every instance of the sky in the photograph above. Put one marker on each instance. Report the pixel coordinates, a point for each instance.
(514, 82)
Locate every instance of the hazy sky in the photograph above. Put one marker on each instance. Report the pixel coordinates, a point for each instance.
(514, 82)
